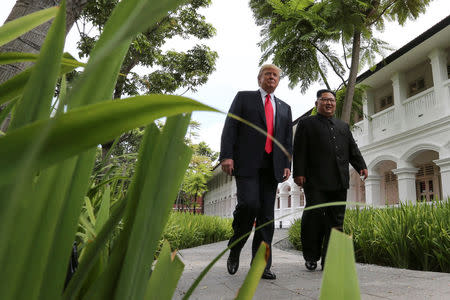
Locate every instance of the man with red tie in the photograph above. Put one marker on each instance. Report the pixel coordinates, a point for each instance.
(257, 163)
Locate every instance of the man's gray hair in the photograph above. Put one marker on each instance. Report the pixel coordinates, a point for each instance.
(268, 66)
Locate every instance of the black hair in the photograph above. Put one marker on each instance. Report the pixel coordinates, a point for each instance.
(320, 92)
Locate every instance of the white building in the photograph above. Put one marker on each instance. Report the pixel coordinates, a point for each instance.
(404, 135)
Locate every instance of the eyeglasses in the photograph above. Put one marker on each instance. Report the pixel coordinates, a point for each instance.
(331, 100)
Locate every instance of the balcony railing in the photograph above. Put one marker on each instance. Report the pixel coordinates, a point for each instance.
(415, 111)
(383, 119)
(416, 105)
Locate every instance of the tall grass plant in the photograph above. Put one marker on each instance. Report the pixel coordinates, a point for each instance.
(408, 236)
(186, 230)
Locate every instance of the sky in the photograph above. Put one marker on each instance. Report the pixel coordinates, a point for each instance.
(238, 63)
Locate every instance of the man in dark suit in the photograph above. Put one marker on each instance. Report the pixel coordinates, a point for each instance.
(258, 163)
(323, 149)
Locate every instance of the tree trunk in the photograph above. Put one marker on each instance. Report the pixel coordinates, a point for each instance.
(32, 41)
(350, 91)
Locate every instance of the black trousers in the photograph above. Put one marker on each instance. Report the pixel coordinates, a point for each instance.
(317, 223)
(255, 202)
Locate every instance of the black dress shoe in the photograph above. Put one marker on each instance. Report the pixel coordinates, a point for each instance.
(233, 263)
(311, 265)
(268, 275)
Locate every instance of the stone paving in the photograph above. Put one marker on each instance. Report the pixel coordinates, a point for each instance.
(295, 282)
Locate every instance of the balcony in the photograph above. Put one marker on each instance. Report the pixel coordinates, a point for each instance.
(413, 112)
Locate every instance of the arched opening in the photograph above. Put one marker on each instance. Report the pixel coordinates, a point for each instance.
(428, 177)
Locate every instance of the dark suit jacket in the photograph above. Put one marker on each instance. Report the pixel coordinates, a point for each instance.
(245, 145)
(323, 149)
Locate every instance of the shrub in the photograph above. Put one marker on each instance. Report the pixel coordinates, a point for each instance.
(408, 236)
(186, 230)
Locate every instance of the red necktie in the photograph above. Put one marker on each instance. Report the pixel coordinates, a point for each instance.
(269, 120)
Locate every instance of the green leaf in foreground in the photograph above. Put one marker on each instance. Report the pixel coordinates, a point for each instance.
(340, 280)
(104, 121)
(165, 275)
(253, 277)
(17, 27)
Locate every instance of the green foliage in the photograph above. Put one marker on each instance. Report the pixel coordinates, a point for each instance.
(198, 173)
(340, 261)
(16, 28)
(357, 103)
(164, 276)
(294, 234)
(409, 236)
(47, 161)
(256, 270)
(170, 70)
(47, 164)
(186, 230)
(299, 35)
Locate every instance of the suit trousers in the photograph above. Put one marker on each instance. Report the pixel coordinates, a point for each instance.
(316, 224)
(255, 202)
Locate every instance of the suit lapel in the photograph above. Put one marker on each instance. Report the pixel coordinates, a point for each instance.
(260, 106)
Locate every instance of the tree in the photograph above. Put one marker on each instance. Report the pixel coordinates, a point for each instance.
(196, 178)
(170, 70)
(203, 149)
(299, 34)
(31, 41)
(199, 170)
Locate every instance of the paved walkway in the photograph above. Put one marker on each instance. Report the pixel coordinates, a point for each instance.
(295, 282)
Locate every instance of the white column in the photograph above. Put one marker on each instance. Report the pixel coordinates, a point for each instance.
(444, 165)
(406, 178)
(295, 196)
(283, 203)
(373, 190)
(399, 86)
(438, 61)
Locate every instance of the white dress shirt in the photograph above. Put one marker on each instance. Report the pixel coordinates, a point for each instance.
(272, 100)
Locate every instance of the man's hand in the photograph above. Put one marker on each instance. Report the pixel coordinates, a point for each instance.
(300, 180)
(227, 166)
(286, 174)
(364, 173)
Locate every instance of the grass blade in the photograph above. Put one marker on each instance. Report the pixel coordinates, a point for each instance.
(38, 94)
(168, 163)
(126, 21)
(103, 212)
(165, 276)
(13, 87)
(15, 57)
(17, 27)
(104, 121)
(340, 280)
(93, 252)
(253, 277)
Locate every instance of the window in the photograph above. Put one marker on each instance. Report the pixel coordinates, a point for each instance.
(416, 86)
(385, 102)
(427, 182)
(390, 177)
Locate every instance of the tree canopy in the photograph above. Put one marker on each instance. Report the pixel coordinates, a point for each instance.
(302, 37)
(168, 70)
